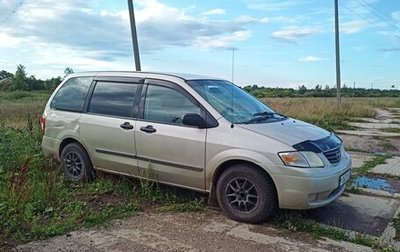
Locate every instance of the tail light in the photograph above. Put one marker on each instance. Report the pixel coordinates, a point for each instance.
(43, 123)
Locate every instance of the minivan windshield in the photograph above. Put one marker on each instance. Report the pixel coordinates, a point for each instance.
(233, 103)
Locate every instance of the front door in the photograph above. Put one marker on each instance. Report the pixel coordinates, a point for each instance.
(167, 150)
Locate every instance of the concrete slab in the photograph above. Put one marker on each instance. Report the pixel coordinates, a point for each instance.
(373, 120)
(372, 144)
(374, 125)
(360, 213)
(370, 132)
(384, 114)
(196, 232)
(358, 158)
(392, 167)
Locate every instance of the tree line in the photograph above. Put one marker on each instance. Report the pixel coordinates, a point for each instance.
(21, 81)
(318, 91)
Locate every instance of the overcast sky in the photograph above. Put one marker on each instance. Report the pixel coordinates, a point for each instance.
(283, 43)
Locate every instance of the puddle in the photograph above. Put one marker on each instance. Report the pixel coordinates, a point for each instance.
(374, 183)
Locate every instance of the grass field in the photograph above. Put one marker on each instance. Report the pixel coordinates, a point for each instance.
(325, 113)
(37, 202)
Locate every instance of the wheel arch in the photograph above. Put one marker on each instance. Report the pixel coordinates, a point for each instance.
(212, 199)
(69, 140)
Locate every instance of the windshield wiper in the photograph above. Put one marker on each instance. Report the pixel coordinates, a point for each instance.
(260, 116)
(264, 113)
(269, 113)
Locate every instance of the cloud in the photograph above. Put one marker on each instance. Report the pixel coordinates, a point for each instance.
(292, 33)
(214, 12)
(161, 26)
(221, 42)
(310, 59)
(9, 41)
(275, 5)
(354, 26)
(53, 35)
(75, 23)
(396, 15)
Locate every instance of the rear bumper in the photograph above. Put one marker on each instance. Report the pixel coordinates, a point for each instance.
(50, 147)
(311, 191)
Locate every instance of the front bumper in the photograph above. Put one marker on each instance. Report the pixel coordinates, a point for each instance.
(311, 190)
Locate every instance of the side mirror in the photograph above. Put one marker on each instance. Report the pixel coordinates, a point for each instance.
(193, 120)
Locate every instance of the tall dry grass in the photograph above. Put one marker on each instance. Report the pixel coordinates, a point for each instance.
(18, 108)
(325, 112)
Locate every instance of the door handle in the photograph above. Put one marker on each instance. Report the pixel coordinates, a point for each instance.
(127, 126)
(148, 129)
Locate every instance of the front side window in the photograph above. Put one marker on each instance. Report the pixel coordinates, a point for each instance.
(114, 99)
(72, 95)
(166, 105)
(233, 103)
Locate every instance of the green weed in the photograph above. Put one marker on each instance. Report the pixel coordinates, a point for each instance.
(370, 164)
(356, 149)
(396, 225)
(37, 202)
(195, 205)
(392, 130)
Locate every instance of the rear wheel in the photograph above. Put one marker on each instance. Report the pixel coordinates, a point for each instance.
(246, 194)
(76, 164)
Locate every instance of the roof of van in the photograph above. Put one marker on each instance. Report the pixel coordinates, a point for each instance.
(184, 76)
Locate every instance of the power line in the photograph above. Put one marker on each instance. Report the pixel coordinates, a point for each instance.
(28, 12)
(379, 10)
(12, 12)
(382, 16)
(373, 23)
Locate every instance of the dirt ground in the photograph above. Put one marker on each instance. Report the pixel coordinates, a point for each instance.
(207, 231)
(372, 144)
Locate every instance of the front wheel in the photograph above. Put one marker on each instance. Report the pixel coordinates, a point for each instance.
(246, 194)
(76, 163)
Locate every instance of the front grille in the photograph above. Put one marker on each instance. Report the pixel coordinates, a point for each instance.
(333, 155)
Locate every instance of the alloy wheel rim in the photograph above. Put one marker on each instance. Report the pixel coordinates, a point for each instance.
(73, 164)
(242, 195)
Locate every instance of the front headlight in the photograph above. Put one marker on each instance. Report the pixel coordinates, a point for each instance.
(305, 159)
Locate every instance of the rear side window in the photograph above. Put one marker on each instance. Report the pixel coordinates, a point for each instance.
(113, 98)
(72, 95)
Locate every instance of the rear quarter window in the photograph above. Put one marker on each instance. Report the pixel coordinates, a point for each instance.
(72, 95)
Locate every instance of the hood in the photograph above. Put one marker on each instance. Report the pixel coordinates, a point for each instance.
(289, 131)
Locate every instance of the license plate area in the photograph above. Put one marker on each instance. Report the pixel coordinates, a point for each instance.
(344, 178)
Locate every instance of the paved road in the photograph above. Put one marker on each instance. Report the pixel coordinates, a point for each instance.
(206, 231)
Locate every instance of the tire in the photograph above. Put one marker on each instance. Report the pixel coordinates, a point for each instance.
(246, 194)
(76, 163)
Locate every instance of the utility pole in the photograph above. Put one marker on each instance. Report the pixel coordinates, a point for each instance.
(135, 43)
(338, 96)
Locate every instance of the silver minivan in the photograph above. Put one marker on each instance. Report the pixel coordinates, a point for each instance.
(200, 133)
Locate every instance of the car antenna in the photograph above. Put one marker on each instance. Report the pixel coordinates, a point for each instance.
(233, 70)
